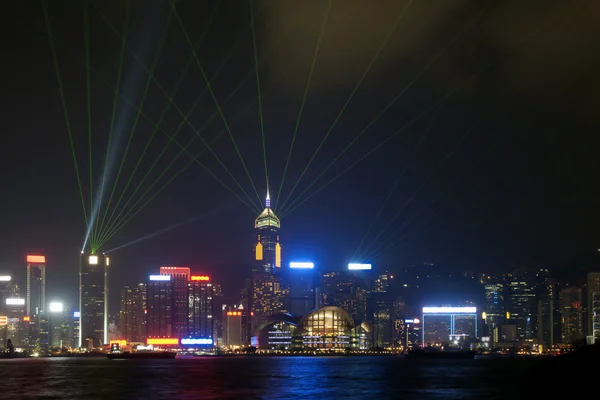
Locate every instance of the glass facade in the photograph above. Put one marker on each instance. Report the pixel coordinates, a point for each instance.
(200, 307)
(93, 300)
(326, 329)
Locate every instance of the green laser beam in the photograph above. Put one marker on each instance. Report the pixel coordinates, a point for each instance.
(415, 79)
(349, 99)
(449, 155)
(260, 109)
(306, 89)
(161, 88)
(381, 248)
(137, 117)
(115, 101)
(64, 105)
(250, 73)
(422, 140)
(395, 243)
(248, 106)
(212, 94)
(86, 16)
(120, 226)
(295, 204)
(184, 148)
(159, 122)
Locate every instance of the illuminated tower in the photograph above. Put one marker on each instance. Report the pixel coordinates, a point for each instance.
(200, 295)
(268, 294)
(267, 250)
(180, 307)
(93, 300)
(36, 284)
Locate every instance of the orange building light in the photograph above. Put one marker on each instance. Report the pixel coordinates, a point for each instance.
(32, 259)
(259, 251)
(120, 342)
(278, 255)
(163, 341)
(26, 318)
(200, 278)
(234, 313)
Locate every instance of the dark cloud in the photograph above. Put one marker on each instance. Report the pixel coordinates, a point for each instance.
(557, 37)
(354, 31)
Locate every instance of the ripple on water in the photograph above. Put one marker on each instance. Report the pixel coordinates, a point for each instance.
(256, 378)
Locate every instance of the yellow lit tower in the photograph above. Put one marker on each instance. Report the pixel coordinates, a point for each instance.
(267, 250)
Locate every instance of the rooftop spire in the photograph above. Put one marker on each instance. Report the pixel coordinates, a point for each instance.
(268, 201)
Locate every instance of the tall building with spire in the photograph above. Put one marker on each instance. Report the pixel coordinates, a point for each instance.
(267, 250)
(268, 293)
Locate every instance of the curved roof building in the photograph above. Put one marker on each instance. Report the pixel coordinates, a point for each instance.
(324, 329)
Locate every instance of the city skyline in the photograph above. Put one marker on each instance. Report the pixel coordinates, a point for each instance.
(517, 176)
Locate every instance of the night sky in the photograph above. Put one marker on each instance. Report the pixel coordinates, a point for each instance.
(495, 165)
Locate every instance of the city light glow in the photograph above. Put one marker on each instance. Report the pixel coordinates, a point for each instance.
(234, 313)
(33, 259)
(76, 314)
(200, 278)
(302, 265)
(26, 319)
(449, 310)
(15, 302)
(93, 260)
(197, 341)
(160, 277)
(120, 342)
(56, 307)
(5, 278)
(359, 267)
(163, 341)
(3, 320)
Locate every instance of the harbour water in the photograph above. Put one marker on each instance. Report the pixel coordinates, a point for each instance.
(258, 377)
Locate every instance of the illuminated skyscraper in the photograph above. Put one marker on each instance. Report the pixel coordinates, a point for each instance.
(36, 284)
(93, 300)
(200, 314)
(522, 304)
(571, 311)
(159, 319)
(267, 250)
(5, 285)
(180, 311)
(268, 294)
(133, 313)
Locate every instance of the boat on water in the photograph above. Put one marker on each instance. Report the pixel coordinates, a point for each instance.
(441, 354)
(141, 355)
(117, 354)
